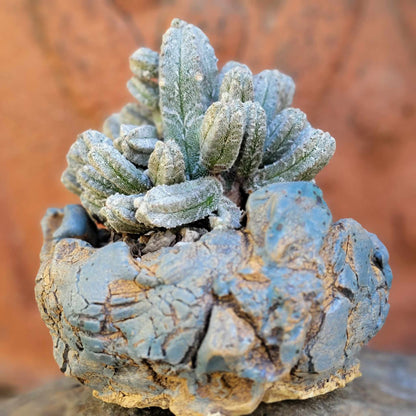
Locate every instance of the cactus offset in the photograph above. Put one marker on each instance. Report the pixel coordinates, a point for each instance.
(196, 140)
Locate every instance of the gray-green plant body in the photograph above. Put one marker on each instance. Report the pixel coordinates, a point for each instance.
(196, 140)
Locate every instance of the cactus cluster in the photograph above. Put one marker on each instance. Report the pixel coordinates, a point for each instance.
(195, 143)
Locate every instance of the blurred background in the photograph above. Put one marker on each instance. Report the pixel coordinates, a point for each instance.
(63, 69)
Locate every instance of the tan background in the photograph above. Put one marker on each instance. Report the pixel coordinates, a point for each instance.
(64, 67)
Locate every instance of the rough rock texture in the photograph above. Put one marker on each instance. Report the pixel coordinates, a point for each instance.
(278, 311)
(63, 64)
(387, 388)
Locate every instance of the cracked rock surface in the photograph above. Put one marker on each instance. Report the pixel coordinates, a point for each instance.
(276, 311)
(387, 387)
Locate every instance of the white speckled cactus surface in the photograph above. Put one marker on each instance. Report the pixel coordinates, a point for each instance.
(203, 272)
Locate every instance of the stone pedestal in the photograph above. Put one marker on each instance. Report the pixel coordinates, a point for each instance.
(387, 387)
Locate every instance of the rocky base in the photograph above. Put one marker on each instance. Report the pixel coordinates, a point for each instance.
(275, 311)
(388, 387)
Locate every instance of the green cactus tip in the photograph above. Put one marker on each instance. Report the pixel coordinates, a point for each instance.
(195, 142)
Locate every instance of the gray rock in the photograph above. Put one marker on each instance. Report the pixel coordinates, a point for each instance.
(191, 234)
(276, 311)
(387, 388)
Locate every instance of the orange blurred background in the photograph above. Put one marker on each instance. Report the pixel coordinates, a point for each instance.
(64, 65)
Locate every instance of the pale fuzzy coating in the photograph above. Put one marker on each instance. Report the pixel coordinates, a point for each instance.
(221, 135)
(77, 157)
(111, 126)
(139, 157)
(136, 114)
(124, 130)
(145, 131)
(251, 151)
(144, 145)
(187, 71)
(142, 139)
(166, 164)
(273, 90)
(69, 180)
(143, 85)
(111, 164)
(221, 74)
(119, 214)
(248, 136)
(92, 203)
(173, 205)
(309, 153)
(283, 130)
(136, 143)
(91, 181)
(78, 152)
(147, 93)
(237, 84)
(144, 63)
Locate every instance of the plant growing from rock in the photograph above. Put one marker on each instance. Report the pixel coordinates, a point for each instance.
(196, 140)
(223, 282)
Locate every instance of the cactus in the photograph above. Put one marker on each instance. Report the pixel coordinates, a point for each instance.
(137, 143)
(173, 205)
(166, 164)
(222, 132)
(195, 140)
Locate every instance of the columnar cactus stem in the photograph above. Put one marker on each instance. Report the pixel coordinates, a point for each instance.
(187, 71)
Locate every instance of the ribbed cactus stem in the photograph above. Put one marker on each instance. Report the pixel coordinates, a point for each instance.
(194, 135)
